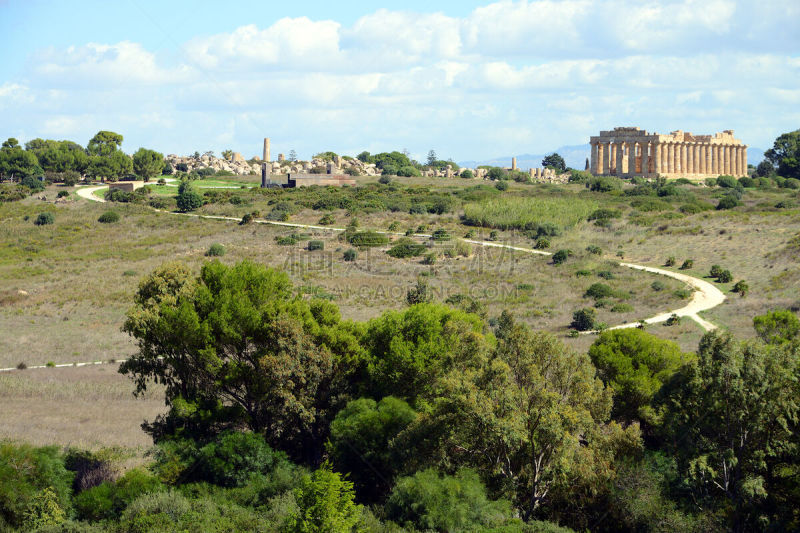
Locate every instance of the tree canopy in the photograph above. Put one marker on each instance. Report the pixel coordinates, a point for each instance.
(148, 163)
(785, 154)
(555, 162)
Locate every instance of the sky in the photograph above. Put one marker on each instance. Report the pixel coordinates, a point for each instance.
(470, 80)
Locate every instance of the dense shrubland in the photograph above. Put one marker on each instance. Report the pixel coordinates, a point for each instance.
(284, 417)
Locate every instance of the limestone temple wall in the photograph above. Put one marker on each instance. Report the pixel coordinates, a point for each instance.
(630, 151)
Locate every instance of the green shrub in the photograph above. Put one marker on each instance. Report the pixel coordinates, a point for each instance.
(326, 220)
(315, 245)
(650, 204)
(467, 174)
(670, 261)
(288, 240)
(109, 217)
(215, 250)
(501, 185)
(658, 286)
(688, 264)
(350, 254)
(583, 319)
(599, 290)
(428, 501)
(405, 247)
(542, 243)
(561, 256)
(25, 471)
(683, 294)
(493, 235)
(188, 198)
(440, 235)
(509, 212)
(725, 276)
(605, 274)
(728, 182)
(366, 239)
(394, 226)
(109, 499)
(715, 271)
(673, 320)
(621, 308)
(246, 219)
(604, 184)
(604, 213)
(747, 182)
(594, 249)
(325, 502)
(583, 273)
(44, 219)
(728, 202)
(430, 258)
(62, 194)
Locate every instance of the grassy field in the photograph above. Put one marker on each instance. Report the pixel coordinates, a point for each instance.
(64, 288)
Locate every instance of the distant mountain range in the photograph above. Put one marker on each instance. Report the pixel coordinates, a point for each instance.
(575, 157)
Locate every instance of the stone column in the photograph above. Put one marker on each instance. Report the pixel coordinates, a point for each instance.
(683, 158)
(668, 148)
(689, 159)
(645, 158)
(601, 158)
(715, 159)
(744, 159)
(709, 159)
(657, 157)
(266, 156)
(631, 158)
(701, 159)
(593, 156)
(513, 163)
(728, 169)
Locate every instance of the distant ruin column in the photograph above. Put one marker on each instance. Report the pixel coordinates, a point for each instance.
(631, 158)
(645, 158)
(601, 158)
(683, 158)
(620, 157)
(689, 159)
(709, 159)
(670, 158)
(744, 159)
(593, 156)
(715, 159)
(264, 175)
(657, 157)
(696, 169)
(265, 155)
(513, 163)
(727, 159)
(701, 159)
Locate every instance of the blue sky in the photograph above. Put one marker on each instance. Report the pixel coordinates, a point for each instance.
(472, 80)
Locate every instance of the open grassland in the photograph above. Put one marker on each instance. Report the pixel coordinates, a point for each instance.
(527, 212)
(65, 287)
(86, 407)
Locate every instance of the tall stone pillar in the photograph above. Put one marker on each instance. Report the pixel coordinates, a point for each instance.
(709, 159)
(513, 163)
(601, 158)
(631, 158)
(715, 160)
(645, 148)
(701, 159)
(620, 156)
(266, 156)
(734, 160)
(682, 158)
(689, 159)
(727, 159)
(657, 157)
(670, 158)
(593, 158)
(744, 159)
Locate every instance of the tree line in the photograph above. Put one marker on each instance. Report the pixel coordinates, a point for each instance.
(68, 162)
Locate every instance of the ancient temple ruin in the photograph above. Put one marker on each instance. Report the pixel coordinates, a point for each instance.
(634, 152)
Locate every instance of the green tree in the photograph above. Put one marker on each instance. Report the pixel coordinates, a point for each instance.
(530, 417)
(112, 166)
(148, 163)
(325, 503)
(16, 163)
(11, 142)
(104, 143)
(363, 442)
(731, 421)
(785, 154)
(555, 162)
(227, 154)
(188, 198)
(778, 326)
(241, 352)
(431, 157)
(410, 350)
(635, 364)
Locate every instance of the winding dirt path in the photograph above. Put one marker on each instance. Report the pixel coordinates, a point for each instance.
(705, 296)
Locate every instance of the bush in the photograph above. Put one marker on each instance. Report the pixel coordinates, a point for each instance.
(715, 271)
(501, 185)
(366, 239)
(673, 320)
(467, 174)
(428, 501)
(687, 265)
(109, 499)
(542, 243)
(599, 290)
(326, 220)
(188, 198)
(670, 261)
(621, 308)
(728, 202)
(386, 180)
(604, 213)
(561, 256)
(109, 217)
(25, 471)
(325, 502)
(315, 245)
(658, 286)
(62, 194)
(583, 319)
(742, 288)
(246, 219)
(725, 276)
(441, 235)
(44, 219)
(727, 182)
(350, 255)
(604, 184)
(594, 249)
(746, 182)
(215, 250)
(777, 327)
(405, 247)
